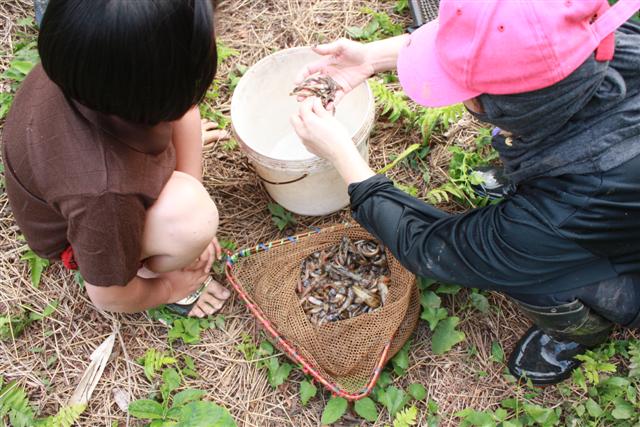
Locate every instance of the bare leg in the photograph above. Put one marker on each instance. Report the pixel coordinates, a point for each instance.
(179, 227)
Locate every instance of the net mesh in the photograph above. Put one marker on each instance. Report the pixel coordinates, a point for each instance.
(345, 352)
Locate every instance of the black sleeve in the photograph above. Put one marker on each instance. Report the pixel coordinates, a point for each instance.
(399, 220)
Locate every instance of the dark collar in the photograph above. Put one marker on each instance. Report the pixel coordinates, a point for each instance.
(142, 138)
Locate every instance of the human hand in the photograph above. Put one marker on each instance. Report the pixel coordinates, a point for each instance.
(212, 252)
(343, 60)
(320, 131)
(212, 134)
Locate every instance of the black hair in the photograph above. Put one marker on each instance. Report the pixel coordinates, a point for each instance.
(146, 61)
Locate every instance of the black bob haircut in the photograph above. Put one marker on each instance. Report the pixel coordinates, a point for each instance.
(146, 61)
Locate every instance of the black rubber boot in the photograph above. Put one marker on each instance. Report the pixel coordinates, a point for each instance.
(545, 354)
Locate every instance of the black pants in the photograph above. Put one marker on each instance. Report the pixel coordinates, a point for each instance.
(553, 236)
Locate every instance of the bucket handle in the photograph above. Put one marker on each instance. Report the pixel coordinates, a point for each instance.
(284, 182)
(277, 183)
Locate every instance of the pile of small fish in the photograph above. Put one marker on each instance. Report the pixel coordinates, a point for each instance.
(324, 87)
(344, 281)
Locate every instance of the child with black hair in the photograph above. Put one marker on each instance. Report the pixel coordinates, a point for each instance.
(103, 148)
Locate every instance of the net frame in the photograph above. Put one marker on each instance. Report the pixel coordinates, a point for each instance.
(281, 342)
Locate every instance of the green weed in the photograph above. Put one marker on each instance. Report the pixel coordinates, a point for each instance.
(182, 408)
(445, 335)
(281, 217)
(462, 175)
(36, 266)
(12, 326)
(25, 57)
(186, 329)
(16, 409)
(379, 27)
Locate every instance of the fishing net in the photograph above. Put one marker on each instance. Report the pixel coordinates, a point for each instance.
(346, 356)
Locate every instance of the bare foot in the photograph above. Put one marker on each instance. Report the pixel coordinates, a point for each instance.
(211, 134)
(211, 300)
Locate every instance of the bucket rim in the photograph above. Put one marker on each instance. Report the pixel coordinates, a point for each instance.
(298, 164)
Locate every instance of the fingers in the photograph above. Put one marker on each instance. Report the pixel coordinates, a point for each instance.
(319, 109)
(198, 264)
(297, 124)
(208, 124)
(217, 248)
(333, 48)
(211, 136)
(306, 108)
(311, 69)
(210, 258)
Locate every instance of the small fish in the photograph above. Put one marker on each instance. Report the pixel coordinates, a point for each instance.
(324, 87)
(342, 281)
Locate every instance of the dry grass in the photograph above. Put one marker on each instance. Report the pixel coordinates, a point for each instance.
(255, 28)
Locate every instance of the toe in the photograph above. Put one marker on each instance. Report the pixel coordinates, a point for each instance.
(196, 311)
(218, 291)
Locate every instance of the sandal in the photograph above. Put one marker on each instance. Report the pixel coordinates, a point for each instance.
(184, 306)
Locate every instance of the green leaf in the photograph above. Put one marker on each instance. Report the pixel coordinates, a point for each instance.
(187, 396)
(430, 299)
(280, 374)
(400, 158)
(219, 321)
(406, 418)
(543, 416)
(446, 336)
(36, 266)
(276, 209)
(497, 354)
(479, 302)
(335, 409)
(401, 360)
(449, 289)
(266, 348)
(307, 391)
(355, 32)
(225, 52)
(394, 399)
(205, 414)
(384, 379)
(146, 409)
(424, 283)
(366, 409)
(48, 311)
(15, 403)
(171, 379)
(433, 316)
(417, 391)
(22, 66)
(623, 410)
(186, 329)
(477, 418)
(67, 416)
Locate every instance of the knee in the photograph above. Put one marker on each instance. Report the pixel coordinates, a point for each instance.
(187, 210)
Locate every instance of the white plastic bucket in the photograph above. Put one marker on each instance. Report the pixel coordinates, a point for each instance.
(260, 110)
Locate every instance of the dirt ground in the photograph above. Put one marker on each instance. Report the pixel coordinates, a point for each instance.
(455, 381)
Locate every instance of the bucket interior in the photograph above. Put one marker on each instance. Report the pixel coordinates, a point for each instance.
(261, 106)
